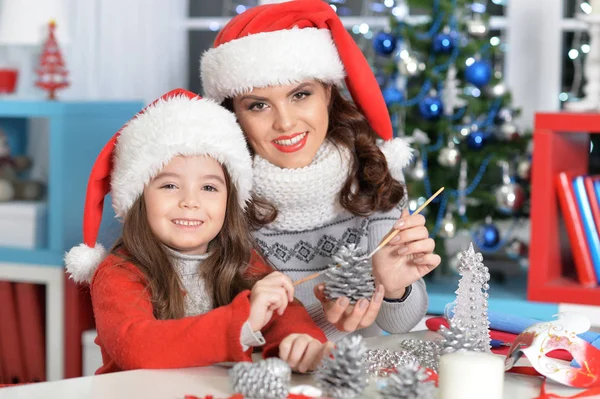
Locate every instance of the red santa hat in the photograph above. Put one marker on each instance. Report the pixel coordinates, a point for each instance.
(279, 44)
(178, 123)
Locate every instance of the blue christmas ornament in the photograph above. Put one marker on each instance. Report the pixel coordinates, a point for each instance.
(392, 95)
(384, 43)
(476, 140)
(381, 78)
(479, 73)
(431, 107)
(444, 42)
(487, 236)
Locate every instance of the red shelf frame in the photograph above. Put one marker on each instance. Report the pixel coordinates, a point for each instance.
(561, 143)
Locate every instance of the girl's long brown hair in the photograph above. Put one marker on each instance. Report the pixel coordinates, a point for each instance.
(369, 187)
(222, 271)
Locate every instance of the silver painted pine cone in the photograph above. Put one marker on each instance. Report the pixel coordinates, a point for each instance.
(408, 382)
(267, 379)
(352, 278)
(344, 376)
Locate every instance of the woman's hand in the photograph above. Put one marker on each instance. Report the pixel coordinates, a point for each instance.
(348, 317)
(302, 352)
(272, 293)
(406, 258)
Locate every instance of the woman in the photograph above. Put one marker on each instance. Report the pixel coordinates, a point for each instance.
(320, 179)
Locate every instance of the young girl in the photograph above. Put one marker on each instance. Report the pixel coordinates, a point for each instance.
(176, 290)
(320, 179)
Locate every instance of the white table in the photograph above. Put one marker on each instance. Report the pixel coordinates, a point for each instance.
(174, 384)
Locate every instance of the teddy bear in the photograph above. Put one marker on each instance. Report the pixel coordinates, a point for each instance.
(11, 186)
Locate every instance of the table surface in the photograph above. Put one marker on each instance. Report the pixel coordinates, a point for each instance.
(200, 381)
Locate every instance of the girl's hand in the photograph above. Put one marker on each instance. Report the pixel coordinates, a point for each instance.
(302, 352)
(272, 293)
(406, 258)
(348, 317)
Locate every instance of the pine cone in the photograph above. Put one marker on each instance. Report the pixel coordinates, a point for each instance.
(267, 379)
(458, 338)
(408, 382)
(352, 277)
(344, 376)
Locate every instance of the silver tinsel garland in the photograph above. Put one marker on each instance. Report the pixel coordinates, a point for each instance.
(267, 379)
(383, 362)
(408, 382)
(427, 352)
(458, 338)
(344, 376)
(350, 275)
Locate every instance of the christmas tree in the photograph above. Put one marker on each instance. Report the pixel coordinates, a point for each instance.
(470, 308)
(52, 73)
(440, 72)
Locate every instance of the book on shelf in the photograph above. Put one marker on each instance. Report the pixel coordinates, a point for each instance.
(584, 267)
(594, 198)
(587, 220)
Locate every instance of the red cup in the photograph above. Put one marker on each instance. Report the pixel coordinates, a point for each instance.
(8, 80)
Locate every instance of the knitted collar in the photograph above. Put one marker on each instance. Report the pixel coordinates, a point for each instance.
(307, 197)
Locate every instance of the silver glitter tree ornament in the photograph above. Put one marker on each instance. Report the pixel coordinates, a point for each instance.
(470, 307)
(458, 338)
(343, 376)
(408, 382)
(427, 353)
(267, 379)
(350, 276)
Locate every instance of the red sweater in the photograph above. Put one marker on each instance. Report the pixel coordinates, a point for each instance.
(130, 337)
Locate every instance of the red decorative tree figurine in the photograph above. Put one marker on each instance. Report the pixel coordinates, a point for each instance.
(52, 73)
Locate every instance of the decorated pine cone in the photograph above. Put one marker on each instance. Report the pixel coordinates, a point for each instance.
(427, 353)
(343, 376)
(267, 379)
(352, 277)
(408, 382)
(458, 338)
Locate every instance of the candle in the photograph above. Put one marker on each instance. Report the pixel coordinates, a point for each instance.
(471, 375)
(595, 6)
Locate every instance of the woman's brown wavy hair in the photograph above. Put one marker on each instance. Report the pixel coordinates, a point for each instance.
(222, 271)
(376, 190)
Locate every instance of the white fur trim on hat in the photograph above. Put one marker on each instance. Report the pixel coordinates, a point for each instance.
(177, 126)
(268, 59)
(82, 261)
(398, 155)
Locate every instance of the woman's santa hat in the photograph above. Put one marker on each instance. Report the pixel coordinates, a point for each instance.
(178, 123)
(281, 44)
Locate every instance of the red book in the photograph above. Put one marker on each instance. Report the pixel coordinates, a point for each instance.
(579, 247)
(594, 200)
(31, 324)
(10, 346)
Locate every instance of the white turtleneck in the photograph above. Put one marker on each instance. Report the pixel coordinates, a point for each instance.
(197, 299)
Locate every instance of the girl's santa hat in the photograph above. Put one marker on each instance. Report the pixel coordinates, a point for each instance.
(280, 44)
(178, 123)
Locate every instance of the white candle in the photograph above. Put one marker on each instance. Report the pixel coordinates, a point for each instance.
(471, 375)
(595, 6)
